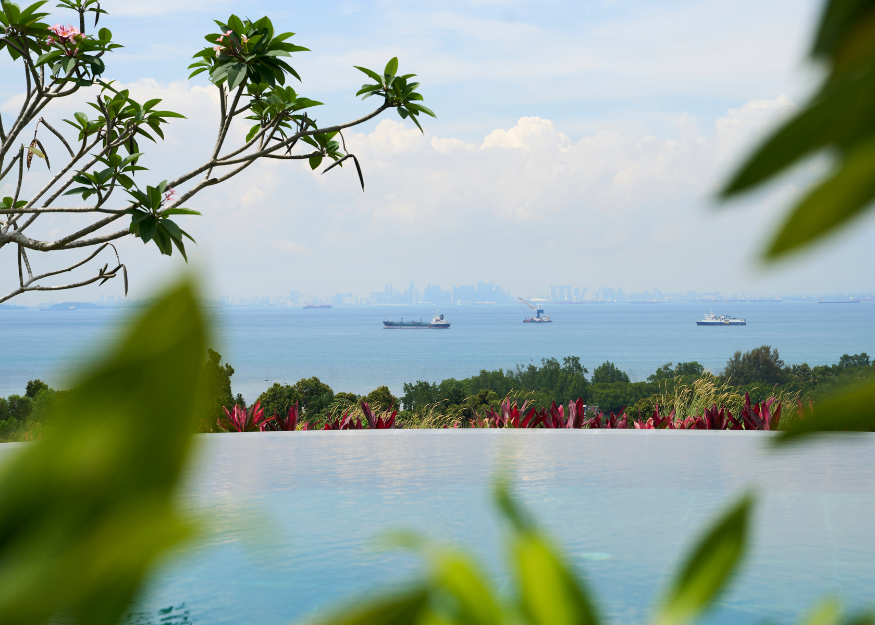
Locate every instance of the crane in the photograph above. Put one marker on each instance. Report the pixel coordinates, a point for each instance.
(538, 312)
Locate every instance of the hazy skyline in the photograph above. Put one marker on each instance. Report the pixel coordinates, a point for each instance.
(576, 143)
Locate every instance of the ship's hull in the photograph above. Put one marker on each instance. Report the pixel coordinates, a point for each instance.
(721, 323)
(414, 325)
(317, 306)
(537, 321)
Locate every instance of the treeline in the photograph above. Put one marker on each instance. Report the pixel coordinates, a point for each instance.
(760, 372)
(23, 417)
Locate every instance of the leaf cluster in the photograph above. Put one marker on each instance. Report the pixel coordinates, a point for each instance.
(396, 90)
(151, 222)
(80, 63)
(85, 513)
(277, 107)
(246, 50)
(839, 120)
(120, 119)
(546, 590)
(24, 32)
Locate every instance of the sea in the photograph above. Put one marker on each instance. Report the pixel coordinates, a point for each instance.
(347, 347)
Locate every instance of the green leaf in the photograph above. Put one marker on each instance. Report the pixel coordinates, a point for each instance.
(180, 211)
(315, 161)
(837, 200)
(89, 510)
(181, 247)
(82, 118)
(154, 196)
(391, 67)
(370, 73)
(420, 107)
(148, 228)
(709, 567)
(77, 190)
(236, 75)
(849, 410)
(407, 608)
(236, 24)
(828, 612)
(548, 591)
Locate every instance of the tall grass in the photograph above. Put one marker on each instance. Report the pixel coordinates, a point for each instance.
(691, 400)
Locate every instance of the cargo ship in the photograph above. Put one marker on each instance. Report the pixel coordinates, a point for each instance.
(437, 323)
(318, 306)
(723, 320)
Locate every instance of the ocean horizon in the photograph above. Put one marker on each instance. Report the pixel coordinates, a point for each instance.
(347, 347)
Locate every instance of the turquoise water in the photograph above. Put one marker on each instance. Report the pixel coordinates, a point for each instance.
(295, 516)
(349, 349)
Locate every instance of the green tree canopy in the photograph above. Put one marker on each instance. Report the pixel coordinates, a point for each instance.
(215, 391)
(35, 387)
(608, 373)
(381, 399)
(278, 399)
(759, 365)
(857, 360)
(315, 396)
(666, 371)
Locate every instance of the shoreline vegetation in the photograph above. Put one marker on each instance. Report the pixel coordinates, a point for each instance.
(555, 394)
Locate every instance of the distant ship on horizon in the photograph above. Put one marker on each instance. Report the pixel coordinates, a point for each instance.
(318, 306)
(723, 320)
(437, 323)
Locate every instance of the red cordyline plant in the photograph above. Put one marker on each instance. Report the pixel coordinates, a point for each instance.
(760, 416)
(509, 415)
(656, 422)
(378, 423)
(555, 417)
(239, 420)
(290, 423)
(345, 422)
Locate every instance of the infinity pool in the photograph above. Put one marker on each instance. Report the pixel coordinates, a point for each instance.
(295, 516)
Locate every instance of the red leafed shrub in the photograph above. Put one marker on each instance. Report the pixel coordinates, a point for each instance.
(555, 418)
(760, 416)
(656, 422)
(344, 423)
(290, 423)
(509, 415)
(378, 423)
(239, 420)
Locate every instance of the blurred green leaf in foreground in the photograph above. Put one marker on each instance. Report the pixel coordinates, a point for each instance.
(546, 590)
(85, 512)
(839, 119)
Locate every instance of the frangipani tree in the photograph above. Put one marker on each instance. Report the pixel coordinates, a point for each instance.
(247, 62)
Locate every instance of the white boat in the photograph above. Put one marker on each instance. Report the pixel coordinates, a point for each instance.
(723, 320)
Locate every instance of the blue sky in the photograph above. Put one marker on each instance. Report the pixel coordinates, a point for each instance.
(576, 143)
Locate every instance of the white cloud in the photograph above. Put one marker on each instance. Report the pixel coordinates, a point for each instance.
(290, 247)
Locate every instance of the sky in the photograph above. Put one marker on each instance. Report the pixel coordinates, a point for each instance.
(575, 143)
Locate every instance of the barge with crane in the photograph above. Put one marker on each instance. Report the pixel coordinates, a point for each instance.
(539, 314)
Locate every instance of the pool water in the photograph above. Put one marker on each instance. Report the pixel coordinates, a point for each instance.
(296, 517)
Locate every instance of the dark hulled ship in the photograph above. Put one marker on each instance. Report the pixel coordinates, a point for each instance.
(437, 323)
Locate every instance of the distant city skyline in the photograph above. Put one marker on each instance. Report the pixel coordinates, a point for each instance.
(483, 292)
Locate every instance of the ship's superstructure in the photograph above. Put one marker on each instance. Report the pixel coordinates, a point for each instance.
(437, 323)
(723, 320)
